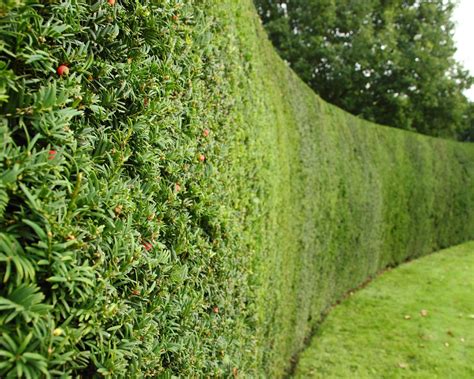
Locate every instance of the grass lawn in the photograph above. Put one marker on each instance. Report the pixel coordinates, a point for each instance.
(415, 321)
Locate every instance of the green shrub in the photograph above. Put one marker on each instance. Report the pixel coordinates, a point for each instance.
(115, 245)
(180, 203)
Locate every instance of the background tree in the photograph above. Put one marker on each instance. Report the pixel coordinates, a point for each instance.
(389, 61)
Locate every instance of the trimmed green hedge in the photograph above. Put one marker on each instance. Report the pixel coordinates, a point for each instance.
(341, 199)
(180, 203)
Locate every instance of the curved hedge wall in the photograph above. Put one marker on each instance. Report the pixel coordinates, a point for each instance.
(175, 201)
(342, 198)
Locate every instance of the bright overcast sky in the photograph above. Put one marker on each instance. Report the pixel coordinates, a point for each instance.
(464, 36)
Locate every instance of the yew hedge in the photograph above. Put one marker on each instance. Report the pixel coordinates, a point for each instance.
(175, 201)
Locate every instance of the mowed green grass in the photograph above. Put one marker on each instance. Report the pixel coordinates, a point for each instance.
(415, 321)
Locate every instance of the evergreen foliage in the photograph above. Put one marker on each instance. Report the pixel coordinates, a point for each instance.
(174, 201)
(114, 246)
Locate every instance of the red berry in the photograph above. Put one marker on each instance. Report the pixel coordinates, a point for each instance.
(111, 2)
(202, 157)
(148, 246)
(215, 309)
(62, 70)
(52, 154)
(205, 132)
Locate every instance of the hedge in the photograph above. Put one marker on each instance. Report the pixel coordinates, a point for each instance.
(174, 201)
(115, 241)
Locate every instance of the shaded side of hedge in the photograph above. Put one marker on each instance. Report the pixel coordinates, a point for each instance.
(341, 198)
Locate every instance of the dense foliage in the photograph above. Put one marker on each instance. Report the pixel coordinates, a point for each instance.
(388, 61)
(114, 246)
(174, 201)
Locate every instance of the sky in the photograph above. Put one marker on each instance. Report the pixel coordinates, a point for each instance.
(464, 37)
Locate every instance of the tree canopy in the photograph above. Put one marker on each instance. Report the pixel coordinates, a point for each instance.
(389, 61)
